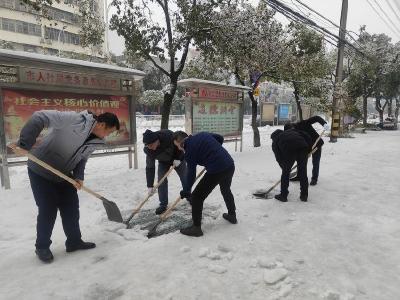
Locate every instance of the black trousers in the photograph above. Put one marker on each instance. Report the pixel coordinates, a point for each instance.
(316, 157)
(50, 197)
(205, 187)
(301, 158)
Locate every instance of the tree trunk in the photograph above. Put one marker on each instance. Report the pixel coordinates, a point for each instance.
(390, 108)
(297, 97)
(166, 108)
(380, 109)
(396, 112)
(256, 132)
(365, 110)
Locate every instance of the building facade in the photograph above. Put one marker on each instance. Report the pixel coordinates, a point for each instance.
(22, 29)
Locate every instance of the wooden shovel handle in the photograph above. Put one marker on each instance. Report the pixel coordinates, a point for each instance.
(314, 147)
(135, 211)
(169, 210)
(60, 174)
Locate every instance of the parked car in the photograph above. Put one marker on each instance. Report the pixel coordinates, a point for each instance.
(389, 123)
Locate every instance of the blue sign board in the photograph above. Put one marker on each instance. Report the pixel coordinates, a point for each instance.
(283, 112)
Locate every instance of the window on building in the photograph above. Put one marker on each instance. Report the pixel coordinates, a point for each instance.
(7, 3)
(53, 13)
(8, 24)
(60, 15)
(65, 36)
(21, 6)
(20, 27)
(34, 29)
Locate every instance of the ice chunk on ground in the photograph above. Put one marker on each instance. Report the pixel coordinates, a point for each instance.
(217, 269)
(275, 275)
(266, 262)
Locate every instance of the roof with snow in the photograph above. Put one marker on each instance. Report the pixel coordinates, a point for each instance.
(197, 82)
(35, 57)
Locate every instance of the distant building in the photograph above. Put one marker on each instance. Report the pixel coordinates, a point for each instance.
(22, 29)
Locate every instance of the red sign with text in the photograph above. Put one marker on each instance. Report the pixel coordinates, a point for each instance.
(62, 78)
(19, 105)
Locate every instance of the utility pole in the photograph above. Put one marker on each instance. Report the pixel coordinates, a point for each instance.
(339, 75)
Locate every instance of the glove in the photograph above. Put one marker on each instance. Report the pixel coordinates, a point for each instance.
(176, 163)
(185, 194)
(326, 126)
(150, 191)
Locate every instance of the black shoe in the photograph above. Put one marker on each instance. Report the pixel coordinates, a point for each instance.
(296, 178)
(303, 197)
(80, 246)
(313, 182)
(192, 231)
(281, 198)
(230, 218)
(44, 255)
(160, 210)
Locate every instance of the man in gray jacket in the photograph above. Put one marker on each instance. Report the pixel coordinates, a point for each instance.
(71, 138)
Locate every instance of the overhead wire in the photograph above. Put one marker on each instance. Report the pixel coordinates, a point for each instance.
(397, 3)
(379, 15)
(328, 20)
(386, 15)
(393, 10)
(295, 16)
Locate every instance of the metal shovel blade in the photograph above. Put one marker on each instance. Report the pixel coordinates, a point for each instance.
(153, 228)
(112, 210)
(262, 195)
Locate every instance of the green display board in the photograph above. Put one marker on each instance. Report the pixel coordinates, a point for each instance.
(217, 117)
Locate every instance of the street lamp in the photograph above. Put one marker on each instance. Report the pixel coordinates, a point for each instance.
(58, 39)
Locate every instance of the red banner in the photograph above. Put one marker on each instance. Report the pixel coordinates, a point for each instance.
(217, 94)
(19, 105)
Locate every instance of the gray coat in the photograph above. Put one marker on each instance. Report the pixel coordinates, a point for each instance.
(65, 147)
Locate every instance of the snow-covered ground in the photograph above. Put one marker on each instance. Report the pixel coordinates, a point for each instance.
(343, 244)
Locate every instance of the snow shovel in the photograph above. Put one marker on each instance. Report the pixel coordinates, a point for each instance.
(265, 194)
(166, 214)
(136, 210)
(112, 210)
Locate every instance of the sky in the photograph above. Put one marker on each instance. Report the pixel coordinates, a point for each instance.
(360, 13)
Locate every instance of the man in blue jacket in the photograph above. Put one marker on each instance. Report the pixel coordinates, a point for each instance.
(71, 138)
(205, 149)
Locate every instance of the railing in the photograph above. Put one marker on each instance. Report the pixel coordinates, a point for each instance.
(155, 121)
(149, 121)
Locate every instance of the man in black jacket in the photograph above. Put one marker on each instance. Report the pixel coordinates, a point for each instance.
(159, 145)
(291, 146)
(306, 125)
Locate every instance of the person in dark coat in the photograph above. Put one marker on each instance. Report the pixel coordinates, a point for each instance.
(205, 149)
(71, 138)
(159, 145)
(291, 146)
(306, 125)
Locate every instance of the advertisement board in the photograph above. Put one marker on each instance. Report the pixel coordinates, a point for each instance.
(19, 105)
(268, 112)
(217, 117)
(283, 111)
